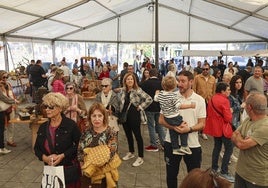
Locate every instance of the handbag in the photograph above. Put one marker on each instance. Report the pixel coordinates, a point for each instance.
(122, 118)
(227, 128)
(4, 106)
(53, 176)
(113, 122)
(143, 117)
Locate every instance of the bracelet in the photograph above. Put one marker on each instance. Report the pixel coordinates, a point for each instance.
(191, 130)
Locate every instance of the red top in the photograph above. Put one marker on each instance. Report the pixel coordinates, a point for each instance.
(215, 121)
(104, 75)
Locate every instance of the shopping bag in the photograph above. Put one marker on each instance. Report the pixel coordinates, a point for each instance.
(4, 106)
(53, 177)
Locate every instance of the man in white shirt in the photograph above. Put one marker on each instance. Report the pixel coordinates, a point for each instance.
(194, 121)
(66, 71)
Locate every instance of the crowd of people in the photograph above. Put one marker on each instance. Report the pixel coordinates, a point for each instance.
(179, 107)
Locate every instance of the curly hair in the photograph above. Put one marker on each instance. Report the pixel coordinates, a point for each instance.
(240, 92)
(56, 99)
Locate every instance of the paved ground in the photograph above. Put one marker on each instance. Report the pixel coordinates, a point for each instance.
(21, 169)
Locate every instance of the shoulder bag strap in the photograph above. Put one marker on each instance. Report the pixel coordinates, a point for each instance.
(128, 106)
(215, 108)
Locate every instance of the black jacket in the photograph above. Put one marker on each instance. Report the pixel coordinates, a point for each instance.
(66, 141)
(150, 86)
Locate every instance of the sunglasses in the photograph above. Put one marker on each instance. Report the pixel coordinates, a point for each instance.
(49, 107)
(71, 88)
(104, 85)
(205, 69)
(5, 77)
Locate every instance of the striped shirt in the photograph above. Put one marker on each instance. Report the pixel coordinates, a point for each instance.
(170, 102)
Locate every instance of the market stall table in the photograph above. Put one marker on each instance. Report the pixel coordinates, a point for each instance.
(34, 125)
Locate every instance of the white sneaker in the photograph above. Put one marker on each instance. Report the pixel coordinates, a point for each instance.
(128, 156)
(185, 150)
(4, 151)
(177, 152)
(139, 161)
(204, 136)
(234, 158)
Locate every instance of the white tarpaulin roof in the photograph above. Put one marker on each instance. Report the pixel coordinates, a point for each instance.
(205, 53)
(133, 20)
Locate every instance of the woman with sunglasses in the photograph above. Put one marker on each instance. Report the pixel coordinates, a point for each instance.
(77, 108)
(133, 99)
(10, 112)
(57, 140)
(7, 96)
(110, 101)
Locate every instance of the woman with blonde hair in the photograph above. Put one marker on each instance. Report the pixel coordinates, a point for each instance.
(8, 97)
(10, 113)
(57, 140)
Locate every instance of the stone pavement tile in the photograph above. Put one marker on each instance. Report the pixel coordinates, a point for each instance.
(148, 180)
(126, 179)
(6, 175)
(22, 169)
(12, 184)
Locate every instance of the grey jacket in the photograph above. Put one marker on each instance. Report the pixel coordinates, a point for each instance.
(114, 102)
(138, 98)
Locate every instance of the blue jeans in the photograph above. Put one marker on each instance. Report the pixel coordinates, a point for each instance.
(174, 135)
(154, 127)
(173, 163)
(228, 146)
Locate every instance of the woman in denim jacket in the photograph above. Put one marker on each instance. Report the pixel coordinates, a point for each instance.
(133, 99)
(236, 98)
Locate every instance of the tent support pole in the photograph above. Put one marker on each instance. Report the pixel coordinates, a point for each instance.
(156, 36)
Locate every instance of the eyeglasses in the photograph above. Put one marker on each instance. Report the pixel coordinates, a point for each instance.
(104, 85)
(5, 77)
(205, 69)
(49, 107)
(70, 88)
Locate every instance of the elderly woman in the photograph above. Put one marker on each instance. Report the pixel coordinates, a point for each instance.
(110, 101)
(133, 99)
(97, 147)
(5, 115)
(107, 97)
(57, 140)
(77, 107)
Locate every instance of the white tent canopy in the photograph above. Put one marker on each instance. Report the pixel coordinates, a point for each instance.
(181, 21)
(215, 53)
